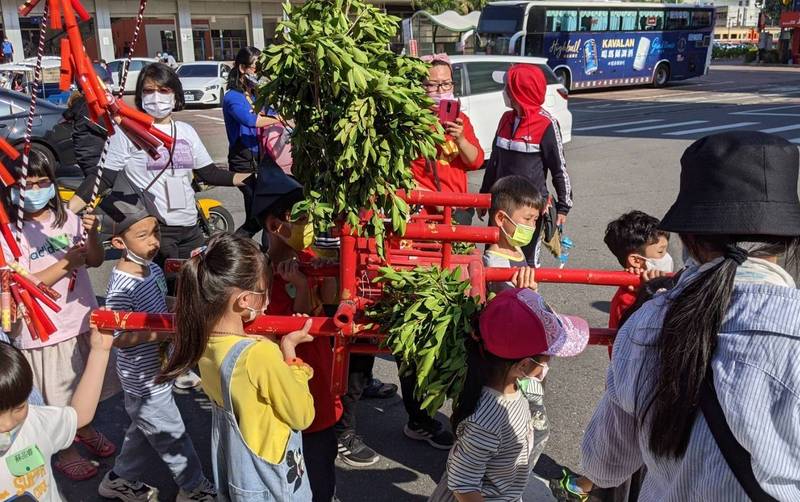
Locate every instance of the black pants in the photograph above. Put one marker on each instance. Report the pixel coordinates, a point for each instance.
(532, 249)
(320, 450)
(412, 405)
(178, 242)
(359, 374)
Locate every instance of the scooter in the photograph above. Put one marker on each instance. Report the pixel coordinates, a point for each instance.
(211, 215)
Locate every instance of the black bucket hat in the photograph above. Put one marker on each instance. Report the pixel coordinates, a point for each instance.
(737, 183)
(271, 185)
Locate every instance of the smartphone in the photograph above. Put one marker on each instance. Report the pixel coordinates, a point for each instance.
(449, 109)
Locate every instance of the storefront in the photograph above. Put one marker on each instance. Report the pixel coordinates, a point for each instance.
(790, 21)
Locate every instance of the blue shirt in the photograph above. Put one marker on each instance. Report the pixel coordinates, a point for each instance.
(7, 47)
(757, 379)
(240, 120)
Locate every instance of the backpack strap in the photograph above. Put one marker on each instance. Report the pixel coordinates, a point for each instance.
(736, 456)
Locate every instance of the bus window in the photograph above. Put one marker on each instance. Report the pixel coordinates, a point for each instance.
(651, 20)
(594, 20)
(501, 19)
(701, 19)
(562, 20)
(677, 19)
(622, 20)
(536, 18)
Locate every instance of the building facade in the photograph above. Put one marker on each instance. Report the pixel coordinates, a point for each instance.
(189, 30)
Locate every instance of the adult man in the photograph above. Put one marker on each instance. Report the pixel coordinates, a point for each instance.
(8, 50)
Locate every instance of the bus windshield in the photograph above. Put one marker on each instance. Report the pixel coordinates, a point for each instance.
(501, 19)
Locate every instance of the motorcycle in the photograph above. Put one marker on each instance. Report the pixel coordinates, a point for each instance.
(211, 215)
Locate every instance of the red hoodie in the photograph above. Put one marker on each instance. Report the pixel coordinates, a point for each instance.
(529, 144)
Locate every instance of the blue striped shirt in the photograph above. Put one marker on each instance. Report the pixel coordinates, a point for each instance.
(138, 366)
(757, 379)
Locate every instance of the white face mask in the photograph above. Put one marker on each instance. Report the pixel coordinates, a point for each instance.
(437, 98)
(158, 105)
(135, 258)
(252, 313)
(664, 264)
(7, 438)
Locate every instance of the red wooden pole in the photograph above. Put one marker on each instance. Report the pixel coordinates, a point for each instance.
(447, 199)
(569, 276)
(452, 233)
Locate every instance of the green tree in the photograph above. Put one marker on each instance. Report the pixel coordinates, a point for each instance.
(360, 110)
(439, 6)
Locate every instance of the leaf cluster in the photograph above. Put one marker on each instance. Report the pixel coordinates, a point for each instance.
(427, 316)
(361, 115)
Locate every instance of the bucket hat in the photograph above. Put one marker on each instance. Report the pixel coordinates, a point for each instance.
(518, 323)
(118, 211)
(737, 183)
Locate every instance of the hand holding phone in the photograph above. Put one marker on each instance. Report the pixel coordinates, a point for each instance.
(449, 110)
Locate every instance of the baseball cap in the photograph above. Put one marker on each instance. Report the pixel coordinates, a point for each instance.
(518, 323)
(118, 211)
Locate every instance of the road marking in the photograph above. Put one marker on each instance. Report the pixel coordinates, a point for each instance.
(609, 126)
(770, 109)
(781, 129)
(663, 126)
(210, 117)
(709, 129)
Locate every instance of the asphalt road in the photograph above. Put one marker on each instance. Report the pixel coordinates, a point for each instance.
(625, 155)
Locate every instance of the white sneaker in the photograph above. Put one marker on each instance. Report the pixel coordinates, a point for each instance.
(188, 380)
(127, 491)
(205, 492)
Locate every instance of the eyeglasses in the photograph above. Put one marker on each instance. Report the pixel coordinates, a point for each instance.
(441, 86)
(31, 185)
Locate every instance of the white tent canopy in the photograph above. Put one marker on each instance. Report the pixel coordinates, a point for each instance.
(452, 20)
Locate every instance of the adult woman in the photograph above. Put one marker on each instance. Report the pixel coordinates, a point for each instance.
(461, 152)
(88, 138)
(241, 124)
(166, 183)
(706, 375)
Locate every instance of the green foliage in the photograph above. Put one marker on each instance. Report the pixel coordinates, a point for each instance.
(734, 52)
(427, 315)
(360, 112)
(439, 6)
(463, 248)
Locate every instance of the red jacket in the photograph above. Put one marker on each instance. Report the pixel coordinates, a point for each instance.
(622, 301)
(317, 354)
(449, 170)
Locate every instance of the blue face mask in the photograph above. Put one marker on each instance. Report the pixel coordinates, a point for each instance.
(35, 199)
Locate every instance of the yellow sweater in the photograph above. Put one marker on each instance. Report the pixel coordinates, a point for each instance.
(270, 398)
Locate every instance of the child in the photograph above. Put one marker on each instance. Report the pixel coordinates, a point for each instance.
(516, 205)
(137, 284)
(258, 388)
(638, 244)
(292, 292)
(51, 251)
(31, 435)
(528, 143)
(494, 451)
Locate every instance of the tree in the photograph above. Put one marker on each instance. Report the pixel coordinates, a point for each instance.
(360, 110)
(439, 6)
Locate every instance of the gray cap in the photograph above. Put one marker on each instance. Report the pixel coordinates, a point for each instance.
(118, 211)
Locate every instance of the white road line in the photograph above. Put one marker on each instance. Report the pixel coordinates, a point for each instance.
(609, 126)
(210, 117)
(781, 129)
(770, 109)
(710, 129)
(663, 126)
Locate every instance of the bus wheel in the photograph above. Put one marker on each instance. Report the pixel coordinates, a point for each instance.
(563, 76)
(661, 76)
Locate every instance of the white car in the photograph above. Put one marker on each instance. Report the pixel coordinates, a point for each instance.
(204, 83)
(136, 66)
(482, 98)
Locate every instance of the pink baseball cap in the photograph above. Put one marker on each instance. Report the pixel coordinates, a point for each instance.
(518, 323)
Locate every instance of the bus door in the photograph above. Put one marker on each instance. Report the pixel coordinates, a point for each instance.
(533, 44)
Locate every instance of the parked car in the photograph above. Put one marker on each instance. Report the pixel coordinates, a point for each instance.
(52, 136)
(136, 66)
(204, 83)
(482, 98)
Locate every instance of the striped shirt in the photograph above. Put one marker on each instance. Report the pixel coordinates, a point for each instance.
(757, 379)
(138, 366)
(493, 449)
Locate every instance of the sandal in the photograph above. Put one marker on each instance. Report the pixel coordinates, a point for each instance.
(77, 470)
(98, 445)
(376, 389)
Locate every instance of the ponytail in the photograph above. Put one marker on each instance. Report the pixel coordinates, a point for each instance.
(688, 338)
(205, 285)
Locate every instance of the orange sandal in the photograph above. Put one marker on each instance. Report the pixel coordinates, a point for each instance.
(77, 470)
(98, 445)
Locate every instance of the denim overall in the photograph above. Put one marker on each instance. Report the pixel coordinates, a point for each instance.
(240, 474)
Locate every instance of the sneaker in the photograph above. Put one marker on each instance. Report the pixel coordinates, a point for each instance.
(127, 491)
(432, 432)
(205, 492)
(353, 451)
(566, 488)
(188, 380)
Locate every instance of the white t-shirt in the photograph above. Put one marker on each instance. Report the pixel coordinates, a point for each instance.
(25, 469)
(172, 193)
